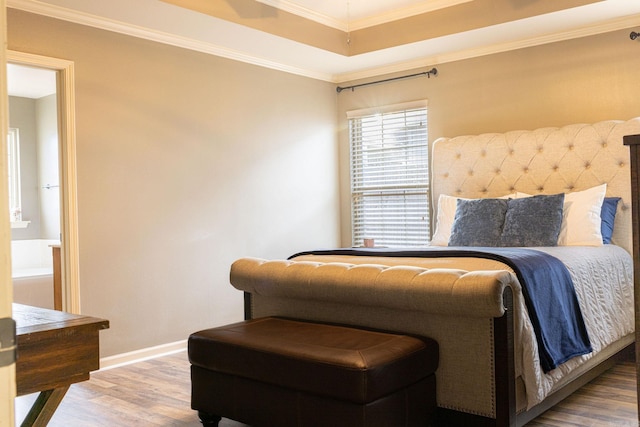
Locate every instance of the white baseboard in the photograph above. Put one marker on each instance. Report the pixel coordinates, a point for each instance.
(123, 359)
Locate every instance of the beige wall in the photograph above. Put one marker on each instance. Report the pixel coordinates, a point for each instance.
(579, 81)
(48, 173)
(36, 120)
(186, 162)
(23, 115)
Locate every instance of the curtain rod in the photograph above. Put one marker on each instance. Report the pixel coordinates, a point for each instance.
(433, 71)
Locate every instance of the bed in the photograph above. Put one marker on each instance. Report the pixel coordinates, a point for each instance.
(475, 301)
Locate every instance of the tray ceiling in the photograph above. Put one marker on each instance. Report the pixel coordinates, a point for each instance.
(341, 41)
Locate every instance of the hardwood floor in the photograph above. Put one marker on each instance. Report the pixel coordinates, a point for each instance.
(157, 393)
(609, 400)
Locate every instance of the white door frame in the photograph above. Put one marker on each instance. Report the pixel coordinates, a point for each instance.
(68, 172)
(7, 373)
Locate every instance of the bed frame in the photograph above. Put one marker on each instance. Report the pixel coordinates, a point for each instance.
(543, 161)
(633, 141)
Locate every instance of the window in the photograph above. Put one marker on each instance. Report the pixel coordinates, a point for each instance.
(15, 206)
(390, 175)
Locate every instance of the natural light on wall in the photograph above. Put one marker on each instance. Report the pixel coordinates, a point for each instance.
(390, 175)
(15, 204)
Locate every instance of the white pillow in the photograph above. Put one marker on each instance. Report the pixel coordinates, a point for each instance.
(444, 219)
(581, 220)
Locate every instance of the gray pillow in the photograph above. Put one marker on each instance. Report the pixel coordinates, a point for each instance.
(478, 222)
(533, 221)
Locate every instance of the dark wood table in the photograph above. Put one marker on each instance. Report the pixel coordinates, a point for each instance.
(55, 350)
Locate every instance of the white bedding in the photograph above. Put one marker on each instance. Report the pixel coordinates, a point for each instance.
(603, 279)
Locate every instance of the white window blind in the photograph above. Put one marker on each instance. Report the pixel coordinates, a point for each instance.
(390, 176)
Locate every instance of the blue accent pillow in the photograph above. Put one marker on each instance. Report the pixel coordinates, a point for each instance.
(608, 216)
(478, 222)
(533, 221)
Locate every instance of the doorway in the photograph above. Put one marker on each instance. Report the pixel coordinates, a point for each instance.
(57, 186)
(34, 197)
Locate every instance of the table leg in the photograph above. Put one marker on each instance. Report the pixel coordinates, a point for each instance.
(44, 407)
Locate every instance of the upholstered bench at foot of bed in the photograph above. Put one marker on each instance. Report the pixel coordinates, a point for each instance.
(282, 372)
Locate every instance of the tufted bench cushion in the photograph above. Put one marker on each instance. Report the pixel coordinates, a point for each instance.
(274, 371)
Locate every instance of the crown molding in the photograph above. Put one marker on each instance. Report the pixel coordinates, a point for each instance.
(82, 18)
(429, 61)
(309, 14)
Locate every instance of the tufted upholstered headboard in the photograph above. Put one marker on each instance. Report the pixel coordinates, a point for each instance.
(542, 161)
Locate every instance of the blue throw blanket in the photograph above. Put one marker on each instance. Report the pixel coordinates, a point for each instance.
(546, 286)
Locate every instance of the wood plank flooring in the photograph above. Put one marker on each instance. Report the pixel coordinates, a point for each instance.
(607, 401)
(157, 393)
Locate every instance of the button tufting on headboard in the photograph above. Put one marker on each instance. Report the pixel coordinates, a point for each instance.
(549, 160)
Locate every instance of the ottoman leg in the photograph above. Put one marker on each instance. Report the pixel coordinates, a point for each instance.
(208, 420)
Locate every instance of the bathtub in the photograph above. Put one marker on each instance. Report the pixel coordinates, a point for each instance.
(32, 272)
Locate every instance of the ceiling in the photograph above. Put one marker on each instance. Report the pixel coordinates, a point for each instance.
(30, 82)
(355, 14)
(360, 38)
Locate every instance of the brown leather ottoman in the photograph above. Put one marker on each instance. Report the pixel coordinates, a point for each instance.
(281, 372)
